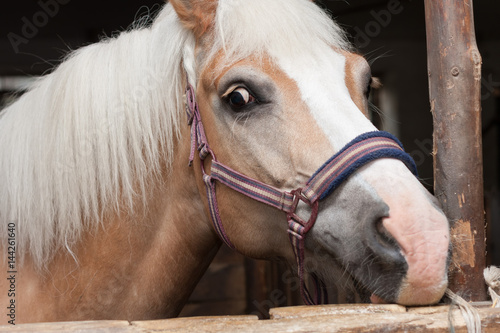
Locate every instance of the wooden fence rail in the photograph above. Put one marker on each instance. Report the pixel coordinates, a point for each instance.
(323, 318)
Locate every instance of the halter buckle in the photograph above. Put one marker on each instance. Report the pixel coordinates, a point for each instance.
(292, 216)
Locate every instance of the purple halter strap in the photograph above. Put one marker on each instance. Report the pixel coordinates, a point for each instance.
(363, 149)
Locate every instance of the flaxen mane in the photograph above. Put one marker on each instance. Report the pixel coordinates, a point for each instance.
(91, 134)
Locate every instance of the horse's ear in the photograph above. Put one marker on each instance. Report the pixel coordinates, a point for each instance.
(196, 15)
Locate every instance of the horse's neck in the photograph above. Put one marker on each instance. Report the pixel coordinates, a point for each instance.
(140, 266)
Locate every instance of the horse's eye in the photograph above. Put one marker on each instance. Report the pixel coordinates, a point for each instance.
(240, 97)
(369, 89)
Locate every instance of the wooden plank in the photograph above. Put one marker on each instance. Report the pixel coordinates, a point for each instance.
(120, 326)
(330, 318)
(454, 64)
(197, 324)
(334, 310)
(322, 319)
(437, 321)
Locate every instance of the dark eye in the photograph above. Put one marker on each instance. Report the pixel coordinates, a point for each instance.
(239, 98)
(369, 88)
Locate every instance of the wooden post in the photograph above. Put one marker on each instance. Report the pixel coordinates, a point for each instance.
(454, 66)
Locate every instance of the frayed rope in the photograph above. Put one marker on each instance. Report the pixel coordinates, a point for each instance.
(492, 278)
(470, 313)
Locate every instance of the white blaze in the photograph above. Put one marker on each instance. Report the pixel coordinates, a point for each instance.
(321, 81)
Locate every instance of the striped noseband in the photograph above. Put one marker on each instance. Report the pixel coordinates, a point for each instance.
(360, 151)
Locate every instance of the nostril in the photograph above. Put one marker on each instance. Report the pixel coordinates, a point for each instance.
(384, 237)
(383, 245)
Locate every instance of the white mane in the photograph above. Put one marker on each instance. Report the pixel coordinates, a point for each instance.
(91, 134)
(278, 28)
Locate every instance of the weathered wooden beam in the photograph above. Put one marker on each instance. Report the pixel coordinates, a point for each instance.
(454, 64)
(323, 318)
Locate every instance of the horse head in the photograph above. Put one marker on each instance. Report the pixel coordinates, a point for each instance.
(279, 91)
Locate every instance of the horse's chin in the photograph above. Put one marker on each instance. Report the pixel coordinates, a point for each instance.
(415, 295)
(377, 300)
(349, 282)
(405, 296)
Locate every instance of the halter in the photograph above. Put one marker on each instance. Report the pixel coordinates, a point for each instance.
(363, 149)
